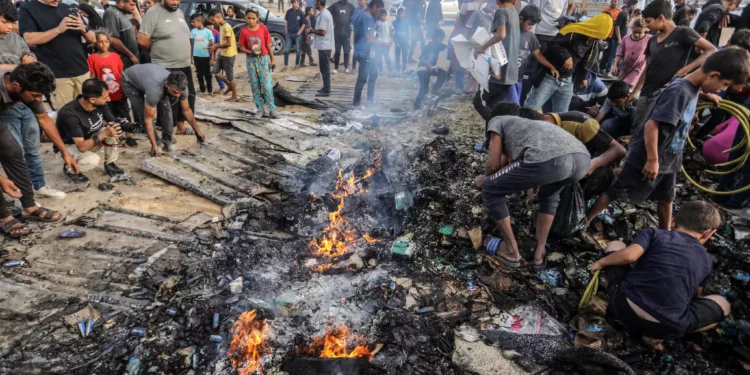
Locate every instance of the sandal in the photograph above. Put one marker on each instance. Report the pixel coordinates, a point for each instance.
(509, 263)
(543, 266)
(47, 217)
(13, 224)
(232, 100)
(492, 245)
(188, 131)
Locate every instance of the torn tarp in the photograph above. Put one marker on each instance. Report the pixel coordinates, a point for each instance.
(283, 98)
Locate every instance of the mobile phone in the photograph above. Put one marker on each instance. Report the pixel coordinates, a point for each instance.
(73, 13)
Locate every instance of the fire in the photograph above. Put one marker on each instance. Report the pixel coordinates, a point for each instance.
(337, 239)
(321, 268)
(370, 239)
(335, 343)
(248, 344)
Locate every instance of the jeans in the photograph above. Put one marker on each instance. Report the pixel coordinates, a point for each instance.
(22, 125)
(191, 91)
(367, 73)
(514, 93)
(424, 83)
(324, 61)
(297, 40)
(609, 55)
(11, 158)
(559, 90)
(341, 42)
(203, 70)
(402, 52)
(383, 53)
(165, 116)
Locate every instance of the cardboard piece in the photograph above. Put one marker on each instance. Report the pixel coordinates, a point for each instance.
(479, 67)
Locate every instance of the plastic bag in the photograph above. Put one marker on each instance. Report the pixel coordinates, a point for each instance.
(571, 214)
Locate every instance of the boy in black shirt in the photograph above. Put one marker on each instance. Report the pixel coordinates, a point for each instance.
(661, 295)
(428, 60)
(655, 156)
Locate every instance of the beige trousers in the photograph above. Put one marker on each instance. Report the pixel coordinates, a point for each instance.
(90, 159)
(67, 89)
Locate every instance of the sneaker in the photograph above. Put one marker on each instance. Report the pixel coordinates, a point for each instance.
(323, 93)
(334, 71)
(303, 65)
(313, 64)
(113, 170)
(131, 142)
(347, 71)
(272, 113)
(48, 192)
(77, 178)
(259, 114)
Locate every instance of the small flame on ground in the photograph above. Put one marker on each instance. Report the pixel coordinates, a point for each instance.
(248, 344)
(370, 239)
(335, 343)
(313, 196)
(337, 240)
(321, 268)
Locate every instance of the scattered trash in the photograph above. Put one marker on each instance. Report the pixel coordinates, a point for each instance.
(303, 78)
(106, 186)
(741, 276)
(215, 321)
(551, 277)
(138, 331)
(447, 230)
(216, 338)
(425, 310)
(172, 312)
(13, 263)
(403, 247)
(571, 213)
(117, 178)
(236, 285)
(357, 126)
(71, 233)
(138, 261)
(333, 154)
(83, 320)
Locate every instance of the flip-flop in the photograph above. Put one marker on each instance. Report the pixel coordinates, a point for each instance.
(492, 245)
(543, 266)
(12, 224)
(509, 263)
(47, 218)
(230, 100)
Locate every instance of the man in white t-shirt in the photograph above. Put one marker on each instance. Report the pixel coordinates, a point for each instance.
(324, 44)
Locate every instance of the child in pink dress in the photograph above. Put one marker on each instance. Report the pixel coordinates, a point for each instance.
(713, 149)
(632, 54)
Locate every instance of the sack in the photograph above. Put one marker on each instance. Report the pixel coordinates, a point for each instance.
(571, 214)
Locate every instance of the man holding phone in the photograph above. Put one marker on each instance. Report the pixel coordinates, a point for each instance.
(56, 30)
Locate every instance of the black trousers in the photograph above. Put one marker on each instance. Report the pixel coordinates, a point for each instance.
(11, 158)
(424, 83)
(191, 89)
(203, 70)
(324, 62)
(485, 101)
(341, 42)
(367, 73)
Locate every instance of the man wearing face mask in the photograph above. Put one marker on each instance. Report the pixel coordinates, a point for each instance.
(166, 34)
(56, 30)
(150, 86)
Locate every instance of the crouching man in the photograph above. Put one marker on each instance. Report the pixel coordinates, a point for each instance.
(86, 125)
(660, 297)
(525, 154)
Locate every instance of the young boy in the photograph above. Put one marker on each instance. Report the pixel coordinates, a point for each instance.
(666, 55)
(593, 94)
(202, 39)
(306, 39)
(655, 154)
(225, 61)
(616, 114)
(530, 15)
(295, 26)
(506, 29)
(383, 32)
(660, 297)
(428, 60)
(217, 38)
(401, 38)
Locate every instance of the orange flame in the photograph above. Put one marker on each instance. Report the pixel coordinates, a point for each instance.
(248, 344)
(370, 239)
(334, 345)
(338, 239)
(321, 268)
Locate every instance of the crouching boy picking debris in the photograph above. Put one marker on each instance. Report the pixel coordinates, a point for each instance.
(525, 154)
(660, 297)
(655, 155)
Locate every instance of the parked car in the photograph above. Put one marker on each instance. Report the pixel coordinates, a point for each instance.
(450, 9)
(275, 24)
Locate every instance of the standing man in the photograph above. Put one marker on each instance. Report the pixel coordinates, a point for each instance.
(166, 35)
(415, 14)
(56, 30)
(121, 33)
(295, 25)
(357, 12)
(342, 12)
(323, 43)
(619, 30)
(228, 46)
(680, 15)
(364, 40)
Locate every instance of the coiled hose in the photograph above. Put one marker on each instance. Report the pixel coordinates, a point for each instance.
(590, 291)
(742, 114)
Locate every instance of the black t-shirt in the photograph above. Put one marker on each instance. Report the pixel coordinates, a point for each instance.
(680, 17)
(74, 122)
(709, 20)
(342, 12)
(586, 130)
(667, 275)
(667, 58)
(64, 54)
(430, 53)
(294, 20)
(622, 21)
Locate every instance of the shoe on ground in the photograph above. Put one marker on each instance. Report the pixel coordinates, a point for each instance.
(48, 192)
(323, 93)
(313, 64)
(113, 170)
(334, 71)
(347, 71)
(131, 142)
(272, 113)
(303, 65)
(259, 114)
(77, 178)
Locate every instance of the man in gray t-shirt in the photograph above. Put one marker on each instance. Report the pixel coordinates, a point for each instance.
(121, 32)
(150, 86)
(536, 154)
